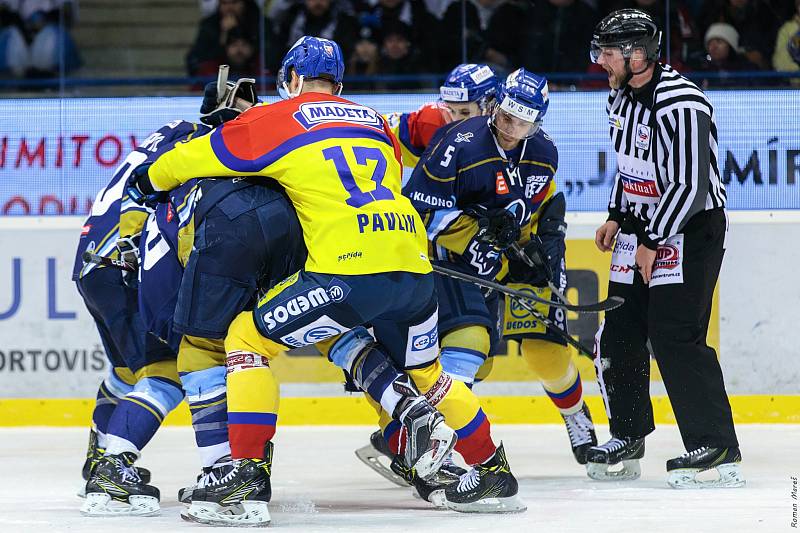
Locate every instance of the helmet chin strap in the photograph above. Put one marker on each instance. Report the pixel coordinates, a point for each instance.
(629, 73)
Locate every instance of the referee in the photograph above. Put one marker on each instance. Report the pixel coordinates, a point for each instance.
(666, 228)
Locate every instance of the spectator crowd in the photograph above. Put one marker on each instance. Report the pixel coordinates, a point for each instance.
(399, 37)
(391, 42)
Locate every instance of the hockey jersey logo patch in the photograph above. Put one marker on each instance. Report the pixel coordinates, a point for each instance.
(500, 185)
(668, 266)
(315, 113)
(642, 136)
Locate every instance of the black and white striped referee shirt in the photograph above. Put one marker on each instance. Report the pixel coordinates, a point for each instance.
(666, 143)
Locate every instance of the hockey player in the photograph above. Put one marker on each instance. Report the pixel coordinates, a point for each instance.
(667, 216)
(157, 395)
(468, 91)
(143, 384)
(363, 238)
(484, 187)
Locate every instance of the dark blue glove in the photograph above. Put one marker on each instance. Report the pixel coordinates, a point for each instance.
(537, 254)
(498, 228)
(140, 190)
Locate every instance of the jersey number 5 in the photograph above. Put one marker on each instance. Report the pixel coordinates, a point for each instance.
(359, 198)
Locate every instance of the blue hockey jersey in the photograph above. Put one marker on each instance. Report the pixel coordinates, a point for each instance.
(102, 228)
(464, 167)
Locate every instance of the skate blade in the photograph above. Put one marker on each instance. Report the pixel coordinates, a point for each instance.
(245, 514)
(730, 477)
(101, 504)
(82, 491)
(512, 504)
(371, 457)
(630, 471)
(438, 499)
(431, 461)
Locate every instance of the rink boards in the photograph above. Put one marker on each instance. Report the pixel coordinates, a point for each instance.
(51, 360)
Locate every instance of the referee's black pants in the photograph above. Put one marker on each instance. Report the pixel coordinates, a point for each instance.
(675, 318)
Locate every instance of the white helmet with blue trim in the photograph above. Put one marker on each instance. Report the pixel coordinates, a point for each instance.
(522, 101)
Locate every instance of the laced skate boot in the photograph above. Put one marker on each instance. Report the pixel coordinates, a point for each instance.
(682, 471)
(239, 498)
(426, 440)
(581, 433)
(93, 455)
(489, 487)
(374, 454)
(601, 458)
(448, 474)
(115, 488)
(209, 474)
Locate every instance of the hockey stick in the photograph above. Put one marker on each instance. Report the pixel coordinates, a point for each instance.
(524, 300)
(528, 261)
(597, 307)
(89, 257)
(553, 327)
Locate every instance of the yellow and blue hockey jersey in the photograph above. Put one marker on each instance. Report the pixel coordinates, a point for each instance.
(340, 166)
(464, 167)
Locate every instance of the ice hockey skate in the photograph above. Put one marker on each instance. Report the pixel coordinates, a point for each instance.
(682, 471)
(238, 499)
(581, 432)
(93, 455)
(489, 487)
(210, 474)
(601, 459)
(115, 488)
(377, 455)
(448, 474)
(425, 439)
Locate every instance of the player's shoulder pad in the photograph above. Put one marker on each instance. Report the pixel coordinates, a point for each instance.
(543, 146)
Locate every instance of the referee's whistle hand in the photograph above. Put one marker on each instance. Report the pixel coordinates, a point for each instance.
(604, 236)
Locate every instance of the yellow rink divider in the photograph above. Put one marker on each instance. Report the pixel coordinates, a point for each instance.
(354, 410)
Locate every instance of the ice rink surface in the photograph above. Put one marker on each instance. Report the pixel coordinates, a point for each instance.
(319, 485)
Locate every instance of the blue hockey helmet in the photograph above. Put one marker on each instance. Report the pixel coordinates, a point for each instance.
(522, 101)
(311, 58)
(469, 82)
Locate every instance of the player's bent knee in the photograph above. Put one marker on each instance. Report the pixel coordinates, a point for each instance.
(244, 337)
(464, 351)
(163, 393)
(120, 381)
(166, 369)
(347, 347)
(550, 361)
(427, 376)
(474, 338)
(203, 384)
(197, 353)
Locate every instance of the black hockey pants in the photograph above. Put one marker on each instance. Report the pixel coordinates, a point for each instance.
(675, 318)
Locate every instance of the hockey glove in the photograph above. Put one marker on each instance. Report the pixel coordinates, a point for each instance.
(141, 191)
(519, 269)
(498, 228)
(128, 248)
